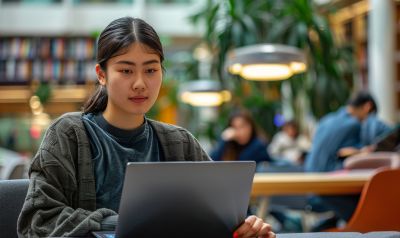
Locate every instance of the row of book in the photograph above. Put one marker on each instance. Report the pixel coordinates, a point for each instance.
(76, 48)
(20, 71)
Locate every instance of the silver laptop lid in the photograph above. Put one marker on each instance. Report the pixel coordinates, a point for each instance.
(184, 199)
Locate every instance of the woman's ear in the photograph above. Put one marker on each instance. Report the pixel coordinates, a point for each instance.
(101, 75)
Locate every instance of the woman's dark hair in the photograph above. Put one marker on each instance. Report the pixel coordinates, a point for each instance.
(233, 149)
(361, 98)
(113, 40)
(293, 124)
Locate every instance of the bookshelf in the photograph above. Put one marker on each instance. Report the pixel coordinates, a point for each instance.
(65, 62)
(56, 60)
(397, 57)
(350, 25)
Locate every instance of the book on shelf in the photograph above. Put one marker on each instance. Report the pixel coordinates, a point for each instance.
(58, 59)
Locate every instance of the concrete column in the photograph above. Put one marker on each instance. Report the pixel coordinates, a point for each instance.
(382, 60)
(140, 8)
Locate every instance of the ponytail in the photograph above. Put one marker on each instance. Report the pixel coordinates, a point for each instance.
(97, 102)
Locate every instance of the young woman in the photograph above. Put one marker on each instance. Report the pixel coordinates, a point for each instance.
(77, 174)
(240, 141)
(288, 145)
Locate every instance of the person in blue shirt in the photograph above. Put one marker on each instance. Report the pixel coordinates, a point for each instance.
(373, 128)
(240, 141)
(338, 130)
(338, 135)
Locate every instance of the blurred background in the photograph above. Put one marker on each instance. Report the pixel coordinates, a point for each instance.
(47, 59)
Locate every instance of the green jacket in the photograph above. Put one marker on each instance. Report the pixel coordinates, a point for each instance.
(61, 199)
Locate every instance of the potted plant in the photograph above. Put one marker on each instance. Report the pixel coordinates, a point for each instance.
(234, 23)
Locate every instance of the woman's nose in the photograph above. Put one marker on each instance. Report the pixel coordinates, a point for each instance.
(138, 84)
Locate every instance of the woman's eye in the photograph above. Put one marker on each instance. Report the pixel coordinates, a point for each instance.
(150, 71)
(126, 71)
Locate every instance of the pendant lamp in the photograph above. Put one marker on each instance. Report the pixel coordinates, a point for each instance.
(204, 93)
(265, 62)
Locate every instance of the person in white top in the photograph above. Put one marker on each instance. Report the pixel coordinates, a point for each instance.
(289, 145)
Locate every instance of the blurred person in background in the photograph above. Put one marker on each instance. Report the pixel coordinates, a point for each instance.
(338, 130)
(288, 145)
(241, 140)
(371, 129)
(337, 135)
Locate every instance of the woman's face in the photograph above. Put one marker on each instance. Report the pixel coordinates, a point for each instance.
(242, 130)
(290, 130)
(133, 80)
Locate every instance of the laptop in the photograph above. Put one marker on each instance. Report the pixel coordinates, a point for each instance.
(183, 199)
(389, 141)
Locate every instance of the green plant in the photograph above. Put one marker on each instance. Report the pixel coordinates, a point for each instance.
(234, 23)
(43, 91)
(329, 78)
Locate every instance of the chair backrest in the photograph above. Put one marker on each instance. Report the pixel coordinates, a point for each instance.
(18, 171)
(13, 165)
(14, 168)
(373, 160)
(12, 196)
(379, 206)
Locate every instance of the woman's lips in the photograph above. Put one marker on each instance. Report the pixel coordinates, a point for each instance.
(138, 99)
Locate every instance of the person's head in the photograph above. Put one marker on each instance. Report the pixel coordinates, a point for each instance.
(129, 68)
(361, 105)
(244, 126)
(291, 129)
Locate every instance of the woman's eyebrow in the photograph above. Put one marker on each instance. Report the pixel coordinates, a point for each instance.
(134, 64)
(151, 62)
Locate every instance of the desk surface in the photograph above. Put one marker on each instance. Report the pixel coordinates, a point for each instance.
(343, 182)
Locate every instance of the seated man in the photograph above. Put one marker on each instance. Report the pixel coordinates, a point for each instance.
(336, 131)
(375, 136)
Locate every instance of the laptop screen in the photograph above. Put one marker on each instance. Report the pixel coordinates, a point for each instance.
(389, 141)
(184, 199)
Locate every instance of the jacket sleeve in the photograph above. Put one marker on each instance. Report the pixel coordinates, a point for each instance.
(178, 144)
(195, 152)
(51, 205)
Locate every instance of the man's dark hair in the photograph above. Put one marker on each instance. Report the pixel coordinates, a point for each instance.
(361, 98)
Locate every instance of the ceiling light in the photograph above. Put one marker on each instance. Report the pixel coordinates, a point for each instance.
(205, 93)
(266, 62)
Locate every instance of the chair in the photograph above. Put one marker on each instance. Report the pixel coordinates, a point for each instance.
(12, 196)
(379, 206)
(373, 160)
(13, 165)
(18, 172)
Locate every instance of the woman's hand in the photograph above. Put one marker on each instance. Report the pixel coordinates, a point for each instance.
(348, 151)
(228, 134)
(254, 227)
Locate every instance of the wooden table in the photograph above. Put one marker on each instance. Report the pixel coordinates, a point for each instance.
(331, 183)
